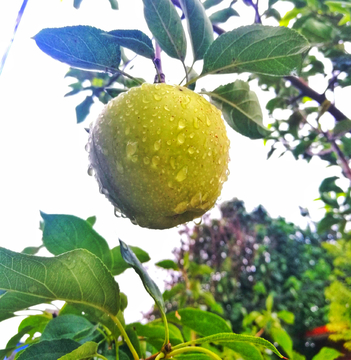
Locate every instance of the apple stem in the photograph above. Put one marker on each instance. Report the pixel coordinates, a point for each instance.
(160, 76)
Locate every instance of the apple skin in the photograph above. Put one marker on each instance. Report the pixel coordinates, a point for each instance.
(160, 154)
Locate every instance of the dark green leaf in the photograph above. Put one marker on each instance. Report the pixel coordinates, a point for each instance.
(134, 40)
(83, 47)
(85, 351)
(166, 26)
(49, 350)
(327, 353)
(83, 109)
(202, 322)
(91, 220)
(272, 13)
(12, 343)
(317, 31)
(148, 283)
(31, 250)
(167, 264)
(328, 185)
(113, 92)
(240, 108)
(64, 233)
(68, 327)
(209, 3)
(327, 222)
(199, 27)
(192, 74)
(38, 323)
(342, 127)
(222, 16)
(133, 337)
(114, 4)
(259, 49)
(76, 276)
(119, 265)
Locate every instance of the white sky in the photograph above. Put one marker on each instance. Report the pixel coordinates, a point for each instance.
(44, 164)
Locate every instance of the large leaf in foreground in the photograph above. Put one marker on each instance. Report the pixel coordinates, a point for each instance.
(64, 233)
(258, 49)
(199, 25)
(49, 350)
(148, 283)
(240, 108)
(134, 40)
(76, 276)
(83, 47)
(166, 26)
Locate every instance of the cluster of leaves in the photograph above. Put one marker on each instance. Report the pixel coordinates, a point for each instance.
(91, 323)
(232, 265)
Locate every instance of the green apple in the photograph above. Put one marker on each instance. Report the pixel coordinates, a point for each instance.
(160, 154)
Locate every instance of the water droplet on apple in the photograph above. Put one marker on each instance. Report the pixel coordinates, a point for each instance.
(157, 145)
(182, 174)
(131, 148)
(155, 160)
(181, 138)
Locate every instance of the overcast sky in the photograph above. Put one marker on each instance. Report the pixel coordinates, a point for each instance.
(44, 164)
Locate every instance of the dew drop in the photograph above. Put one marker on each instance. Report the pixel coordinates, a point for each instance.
(170, 184)
(87, 147)
(32, 289)
(146, 160)
(157, 86)
(166, 108)
(181, 138)
(157, 97)
(171, 118)
(209, 153)
(90, 170)
(196, 200)
(191, 135)
(133, 221)
(181, 124)
(198, 221)
(196, 123)
(191, 150)
(158, 131)
(144, 139)
(117, 212)
(136, 112)
(185, 101)
(155, 160)
(127, 131)
(208, 121)
(181, 207)
(157, 145)
(131, 148)
(172, 162)
(182, 174)
(169, 142)
(145, 100)
(135, 158)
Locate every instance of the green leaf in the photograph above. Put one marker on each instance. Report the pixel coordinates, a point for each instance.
(85, 351)
(114, 92)
(167, 264)
(228, 338)
(49, 350)
(326, 223)
(114, 4)
(93, 315)
(199, 27)
(134, 40)
(119, 265)
(209, 3)
(166, 26)
(258, 49)
(12, 343)
(38, 323)
(287, 316)
(76, 276)
(327, 353)
(269, 302)
(317, 31)
(91, 220)
(148, 283)
(342, 127)
(154, 333)
(83, 109)
(222, 16)
(64, 233)
(83, 47)
(280, 336)
(193, 356)
(245, 350)
(241, 108)
(328, 185)
(68, 327)
(202, 322)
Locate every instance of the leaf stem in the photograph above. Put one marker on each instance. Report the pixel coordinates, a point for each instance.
(165, 323)
(114, 70)
(100, 356)
(193, 349)
(125, 336)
